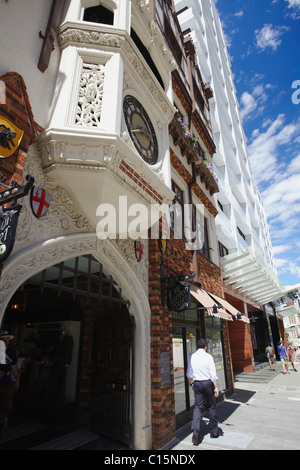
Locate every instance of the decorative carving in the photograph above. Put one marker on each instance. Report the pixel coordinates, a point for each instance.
(90, 95)
(77, 36)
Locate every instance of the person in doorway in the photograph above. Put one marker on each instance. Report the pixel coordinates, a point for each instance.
(7, 386)
(271, 357)
(291, 355)
(202, 371)
(283, 357)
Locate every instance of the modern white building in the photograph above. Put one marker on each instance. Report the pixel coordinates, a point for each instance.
(248, 268)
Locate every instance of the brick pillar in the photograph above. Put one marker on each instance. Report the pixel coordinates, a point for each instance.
(163, 402)
(241, 346)
(16, 108)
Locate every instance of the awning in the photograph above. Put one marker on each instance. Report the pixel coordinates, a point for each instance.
(250, 276)
(206, 301)
(229, 307)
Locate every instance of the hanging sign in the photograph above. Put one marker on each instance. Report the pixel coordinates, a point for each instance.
(178, 297)
(10, 137)
(8, 226)
(40, 201)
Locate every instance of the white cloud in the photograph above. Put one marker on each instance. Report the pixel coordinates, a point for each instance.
(269, 36)
(254, 101)
(264, 150)
(248, 104)
(294, 7)
(278, 249)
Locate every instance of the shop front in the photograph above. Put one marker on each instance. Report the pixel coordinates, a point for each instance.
(188, 327)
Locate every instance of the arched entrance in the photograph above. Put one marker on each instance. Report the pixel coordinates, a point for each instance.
(31, 262)
(75, 333)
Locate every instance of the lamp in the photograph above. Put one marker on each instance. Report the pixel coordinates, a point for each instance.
(214, 308)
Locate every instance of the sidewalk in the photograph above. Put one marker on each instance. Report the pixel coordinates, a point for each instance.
(263, 414)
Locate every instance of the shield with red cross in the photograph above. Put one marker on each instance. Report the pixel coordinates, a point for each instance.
(40, 201)
(138, 250)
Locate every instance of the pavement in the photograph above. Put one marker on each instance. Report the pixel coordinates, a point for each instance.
(262, 414)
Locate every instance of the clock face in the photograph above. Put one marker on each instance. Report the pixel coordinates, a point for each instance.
(140, 129)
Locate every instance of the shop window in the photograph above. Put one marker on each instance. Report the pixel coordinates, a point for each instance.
(214, 338)
(99, 14)
(188, 327)
(185, 335)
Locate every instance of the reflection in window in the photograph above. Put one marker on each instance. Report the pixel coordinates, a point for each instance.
(51, 352)
(184, 344)
(213, 330)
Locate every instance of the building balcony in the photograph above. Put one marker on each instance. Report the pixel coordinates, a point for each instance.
(193, 153)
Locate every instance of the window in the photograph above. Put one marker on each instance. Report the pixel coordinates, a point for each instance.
(145, 53)
(99, 14)
(204, 250)
(185, 334)
(223, 250)
(241, 233)
(214, 338)
(220, 206)
(177, 212)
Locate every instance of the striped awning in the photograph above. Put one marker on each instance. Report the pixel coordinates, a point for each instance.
(229, 307)
(206, 301)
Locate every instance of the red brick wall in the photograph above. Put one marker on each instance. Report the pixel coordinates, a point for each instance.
(241, 347)
(179, 261)
(17, 109)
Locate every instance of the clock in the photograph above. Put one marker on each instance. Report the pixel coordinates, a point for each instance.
(140, 129)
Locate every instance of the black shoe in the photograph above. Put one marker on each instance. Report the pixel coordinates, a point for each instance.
(214, 436)
(195, 438)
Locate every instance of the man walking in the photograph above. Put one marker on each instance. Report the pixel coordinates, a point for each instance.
(201, 369)
(283, 357)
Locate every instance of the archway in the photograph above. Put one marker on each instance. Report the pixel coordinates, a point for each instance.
(59, 253)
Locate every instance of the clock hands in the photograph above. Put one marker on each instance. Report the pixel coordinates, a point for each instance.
(142, 130)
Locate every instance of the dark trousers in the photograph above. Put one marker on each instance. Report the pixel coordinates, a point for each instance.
(204, 390)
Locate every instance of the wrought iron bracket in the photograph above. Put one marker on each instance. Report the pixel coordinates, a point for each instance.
(15, 191)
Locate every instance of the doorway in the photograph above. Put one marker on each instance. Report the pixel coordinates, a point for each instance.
(112, 385)
(60, 316)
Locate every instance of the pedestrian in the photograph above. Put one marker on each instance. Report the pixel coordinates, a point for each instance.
(283, 357)
(291, 355)
(202, 371)
(7, 385)
(271, 356)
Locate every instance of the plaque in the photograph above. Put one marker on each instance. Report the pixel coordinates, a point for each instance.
(165, 368)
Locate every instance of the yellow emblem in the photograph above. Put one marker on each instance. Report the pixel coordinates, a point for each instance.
(10, 137)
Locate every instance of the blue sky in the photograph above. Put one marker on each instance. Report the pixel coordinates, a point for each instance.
(263, 39)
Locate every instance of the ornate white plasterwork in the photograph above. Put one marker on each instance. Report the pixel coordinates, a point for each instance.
(63, 219)
(88, 112)
(80, 35)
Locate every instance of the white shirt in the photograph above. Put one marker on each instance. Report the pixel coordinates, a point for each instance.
(201, 366)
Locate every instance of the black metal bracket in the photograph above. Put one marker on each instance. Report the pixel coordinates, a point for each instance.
(15, 191)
